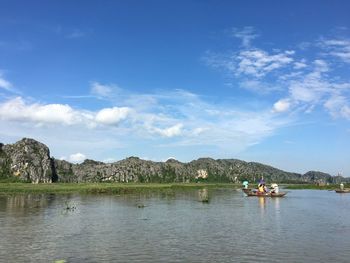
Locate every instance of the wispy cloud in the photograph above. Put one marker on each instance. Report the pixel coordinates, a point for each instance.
(338, 47)
(303, 83)
(247, 34)
(254, 62)
(103, 90)
(76, 33)
(5, 84)
(338, 106)
(68, 32)
(300, 64)
(316, 88)
(257, 63)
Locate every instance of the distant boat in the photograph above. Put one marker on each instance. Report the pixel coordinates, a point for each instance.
(340, 191)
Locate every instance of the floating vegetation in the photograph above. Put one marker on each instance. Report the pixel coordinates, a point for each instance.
(69, 206)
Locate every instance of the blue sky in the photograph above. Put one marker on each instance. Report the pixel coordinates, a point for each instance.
(264, 81)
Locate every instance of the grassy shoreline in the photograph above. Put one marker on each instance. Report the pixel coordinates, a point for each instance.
(314, 187)
(101, 188)
(124, 188)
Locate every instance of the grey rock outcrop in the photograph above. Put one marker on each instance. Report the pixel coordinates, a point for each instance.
(30, 160)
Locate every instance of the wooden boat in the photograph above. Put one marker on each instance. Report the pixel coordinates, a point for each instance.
(252, 193)
(342, 191)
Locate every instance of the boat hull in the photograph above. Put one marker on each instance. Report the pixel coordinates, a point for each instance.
(246, 190)
(342, 191)
(281, 194)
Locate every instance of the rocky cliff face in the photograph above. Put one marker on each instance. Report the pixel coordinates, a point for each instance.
(30, 161)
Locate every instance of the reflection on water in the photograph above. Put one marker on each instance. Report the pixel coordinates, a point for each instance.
(262, 203)
(276, 202)
(172, 226)
(203, 195)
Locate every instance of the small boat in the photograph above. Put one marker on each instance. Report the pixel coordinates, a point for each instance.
(253, 193)
(340, 191)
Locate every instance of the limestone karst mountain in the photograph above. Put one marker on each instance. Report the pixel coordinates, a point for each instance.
(30, 160)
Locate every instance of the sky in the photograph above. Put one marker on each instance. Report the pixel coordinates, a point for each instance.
(264, 81)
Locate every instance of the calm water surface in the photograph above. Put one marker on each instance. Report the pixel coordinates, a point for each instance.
(174, 226)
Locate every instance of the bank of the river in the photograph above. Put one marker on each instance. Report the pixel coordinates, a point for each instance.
(314, 186)
(111, 188)
(120, 188)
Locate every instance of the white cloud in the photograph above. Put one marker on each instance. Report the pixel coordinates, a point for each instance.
(112, 116)
(281, 105)
(172, 131)
(77, 158)
(18, 110)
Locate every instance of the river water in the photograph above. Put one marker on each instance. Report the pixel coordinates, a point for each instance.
(175, 226)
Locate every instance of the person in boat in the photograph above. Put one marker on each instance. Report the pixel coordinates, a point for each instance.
(245, 184)
(341, 186)
(261, 188)
(266, 189)
(274, 188)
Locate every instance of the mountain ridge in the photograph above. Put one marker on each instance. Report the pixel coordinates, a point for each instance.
(29, 160)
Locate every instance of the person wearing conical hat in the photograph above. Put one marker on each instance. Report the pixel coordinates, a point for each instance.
(274, 188)
(245, 184)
